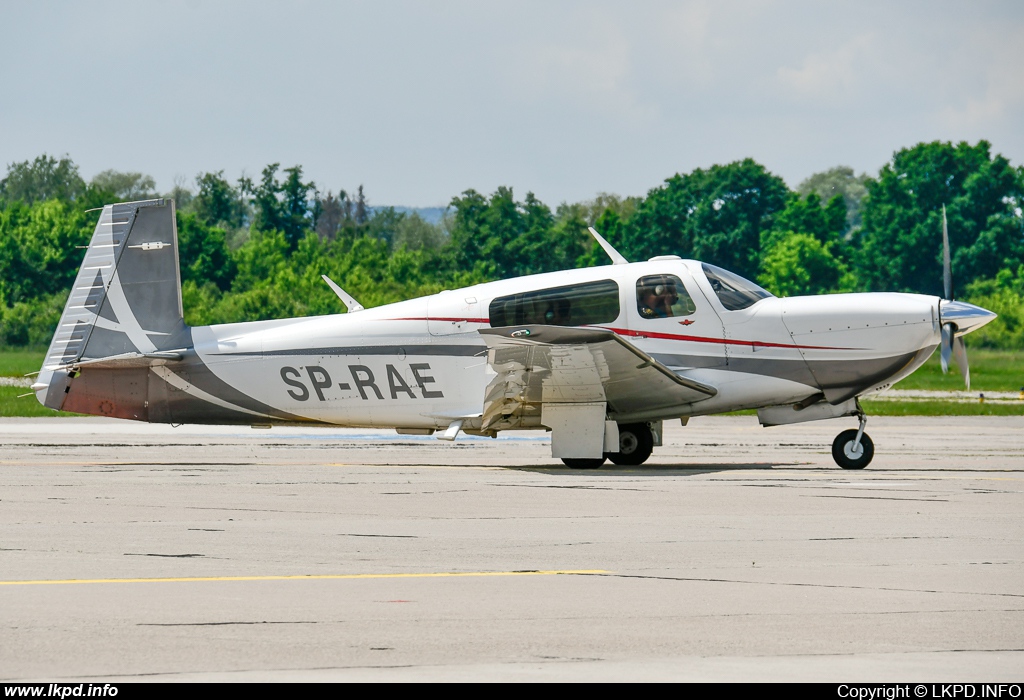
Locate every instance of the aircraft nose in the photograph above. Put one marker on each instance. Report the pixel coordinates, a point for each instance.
(966, 317)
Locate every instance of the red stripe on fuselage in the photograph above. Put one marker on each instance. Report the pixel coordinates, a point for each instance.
(721, 341)
(439, 318)
(661, 336)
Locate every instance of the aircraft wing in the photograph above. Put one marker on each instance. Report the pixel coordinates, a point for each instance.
(550, 364)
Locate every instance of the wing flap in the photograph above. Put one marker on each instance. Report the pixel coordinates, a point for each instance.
(551, 364)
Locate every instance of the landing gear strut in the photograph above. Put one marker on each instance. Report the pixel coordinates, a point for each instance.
(853, 449)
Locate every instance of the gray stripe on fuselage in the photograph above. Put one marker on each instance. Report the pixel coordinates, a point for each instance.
(793, 370)
(195, 371)
(823, 374)
(443, 350)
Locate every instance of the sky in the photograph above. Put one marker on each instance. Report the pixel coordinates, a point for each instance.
(419, 101)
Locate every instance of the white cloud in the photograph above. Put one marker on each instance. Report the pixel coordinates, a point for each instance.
(994, 91)
(588, 65)
(835, 76)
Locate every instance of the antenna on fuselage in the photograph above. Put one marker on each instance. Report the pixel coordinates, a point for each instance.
(616, 256)
(347, 299)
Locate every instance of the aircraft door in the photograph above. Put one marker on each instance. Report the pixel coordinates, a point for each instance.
(453, 312)
(671, 320)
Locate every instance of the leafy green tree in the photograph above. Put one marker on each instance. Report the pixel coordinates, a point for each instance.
(468, 233)
(262, 257)
(798, 264)
(612, 227)
(362, 209)
(44, 178)
(715, 215)
(40, 248)
(509, 238)
(383, 224)
(1004, 295)
(183, 197)
(902, 236)
(807, 214)
(839, 181)
(283, 206)
(297, 216)
(31, 323)
(333, 214)
(125, 187)
(217, 203)
(591, 210)
(413, 233)
(203, 252)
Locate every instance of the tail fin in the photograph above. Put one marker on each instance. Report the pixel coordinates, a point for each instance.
(126, 301)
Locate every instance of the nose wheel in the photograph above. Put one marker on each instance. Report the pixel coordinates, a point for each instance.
(853, 449)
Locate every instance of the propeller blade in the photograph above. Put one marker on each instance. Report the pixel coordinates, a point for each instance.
(947, 268)
(946, 346)
(960, 356)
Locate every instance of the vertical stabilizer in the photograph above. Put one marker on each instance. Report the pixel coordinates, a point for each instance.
(126, 300)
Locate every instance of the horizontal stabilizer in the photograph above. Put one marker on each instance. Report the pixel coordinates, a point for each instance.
(125, 360)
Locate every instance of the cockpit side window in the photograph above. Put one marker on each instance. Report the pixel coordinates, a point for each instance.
(575, 305)
(662, 296)
(733, 291)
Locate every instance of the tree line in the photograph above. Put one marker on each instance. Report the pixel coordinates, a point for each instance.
(255, 248)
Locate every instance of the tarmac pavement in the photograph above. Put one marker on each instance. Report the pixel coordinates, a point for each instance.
(145, 552)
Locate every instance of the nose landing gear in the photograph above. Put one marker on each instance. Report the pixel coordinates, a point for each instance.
(853, 449)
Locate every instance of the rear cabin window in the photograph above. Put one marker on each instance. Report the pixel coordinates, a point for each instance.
(576, 305)
(662, 296)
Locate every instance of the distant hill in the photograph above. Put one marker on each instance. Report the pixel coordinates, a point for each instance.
(432, 215)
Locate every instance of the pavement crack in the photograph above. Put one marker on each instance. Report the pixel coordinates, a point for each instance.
(219, 624)
(559, 486)
(354, 534)
(875, 498)
(172, 556)
(807, 585)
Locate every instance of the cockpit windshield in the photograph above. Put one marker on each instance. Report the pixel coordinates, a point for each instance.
(733, 291)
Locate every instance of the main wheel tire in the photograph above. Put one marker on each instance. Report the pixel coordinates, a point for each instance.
(583, 463)
(636, 442)
(843, 454)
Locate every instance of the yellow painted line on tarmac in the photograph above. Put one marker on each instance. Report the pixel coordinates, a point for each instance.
(309, 577)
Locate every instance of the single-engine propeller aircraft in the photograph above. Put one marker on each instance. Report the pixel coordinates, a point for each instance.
(599, 356)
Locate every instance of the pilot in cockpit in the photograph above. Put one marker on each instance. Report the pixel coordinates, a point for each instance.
(557, 313)
(657, 298)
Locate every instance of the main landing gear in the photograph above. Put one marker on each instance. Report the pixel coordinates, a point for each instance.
(636, 442)
(853, 449)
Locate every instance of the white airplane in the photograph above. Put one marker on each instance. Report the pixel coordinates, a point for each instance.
(599, 356)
